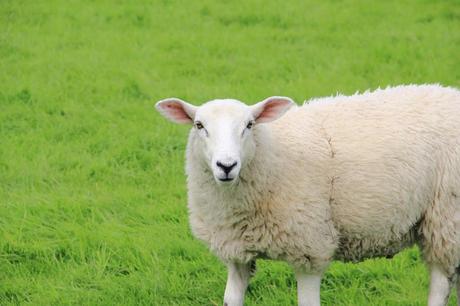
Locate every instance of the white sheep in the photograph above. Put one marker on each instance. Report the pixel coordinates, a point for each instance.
(345, 177)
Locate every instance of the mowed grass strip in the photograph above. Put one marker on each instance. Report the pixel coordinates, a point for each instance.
(92, 187)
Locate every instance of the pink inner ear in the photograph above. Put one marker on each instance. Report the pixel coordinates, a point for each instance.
(175, 111)
(272, 110)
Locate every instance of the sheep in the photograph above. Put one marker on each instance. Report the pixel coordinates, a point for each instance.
(339, 178)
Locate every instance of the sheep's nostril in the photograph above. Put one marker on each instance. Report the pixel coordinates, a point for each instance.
(226, 167)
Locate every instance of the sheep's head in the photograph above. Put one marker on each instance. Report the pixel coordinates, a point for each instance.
(222, 131)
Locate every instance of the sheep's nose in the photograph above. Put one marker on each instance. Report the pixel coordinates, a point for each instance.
(226, 167)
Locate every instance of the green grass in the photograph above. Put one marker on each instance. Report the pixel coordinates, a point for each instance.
(92, 189)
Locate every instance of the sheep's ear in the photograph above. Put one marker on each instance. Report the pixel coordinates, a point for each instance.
(271, 108)
(176, 110)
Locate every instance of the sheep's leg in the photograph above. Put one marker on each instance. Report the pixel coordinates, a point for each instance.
(308, 287)
(440, 286)
(237, 282)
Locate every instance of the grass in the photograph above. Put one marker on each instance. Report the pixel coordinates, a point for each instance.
(92, 190)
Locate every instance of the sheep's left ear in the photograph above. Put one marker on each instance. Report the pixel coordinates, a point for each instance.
(176, 110)
(271, 108)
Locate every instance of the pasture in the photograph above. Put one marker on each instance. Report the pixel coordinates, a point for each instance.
(92, 186)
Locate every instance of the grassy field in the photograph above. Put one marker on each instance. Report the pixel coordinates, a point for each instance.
(92, 187)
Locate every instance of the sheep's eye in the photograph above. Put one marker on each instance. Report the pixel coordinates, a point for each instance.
(250, 124)
(199, 125)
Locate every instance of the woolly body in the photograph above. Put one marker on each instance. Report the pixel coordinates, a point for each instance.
(341, 178)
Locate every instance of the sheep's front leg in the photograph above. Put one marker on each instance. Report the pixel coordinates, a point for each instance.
(308, 287)
(237, 282)
(440, 286)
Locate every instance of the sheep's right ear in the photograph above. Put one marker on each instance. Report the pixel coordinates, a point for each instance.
(176, 110)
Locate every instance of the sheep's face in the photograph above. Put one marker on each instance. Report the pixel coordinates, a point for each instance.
(222, 134)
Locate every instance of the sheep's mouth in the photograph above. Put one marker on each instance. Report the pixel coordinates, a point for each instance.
(226, 179)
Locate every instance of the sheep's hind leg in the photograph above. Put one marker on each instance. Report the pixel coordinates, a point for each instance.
(440, 287)
(308, 289)
(237, 283)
